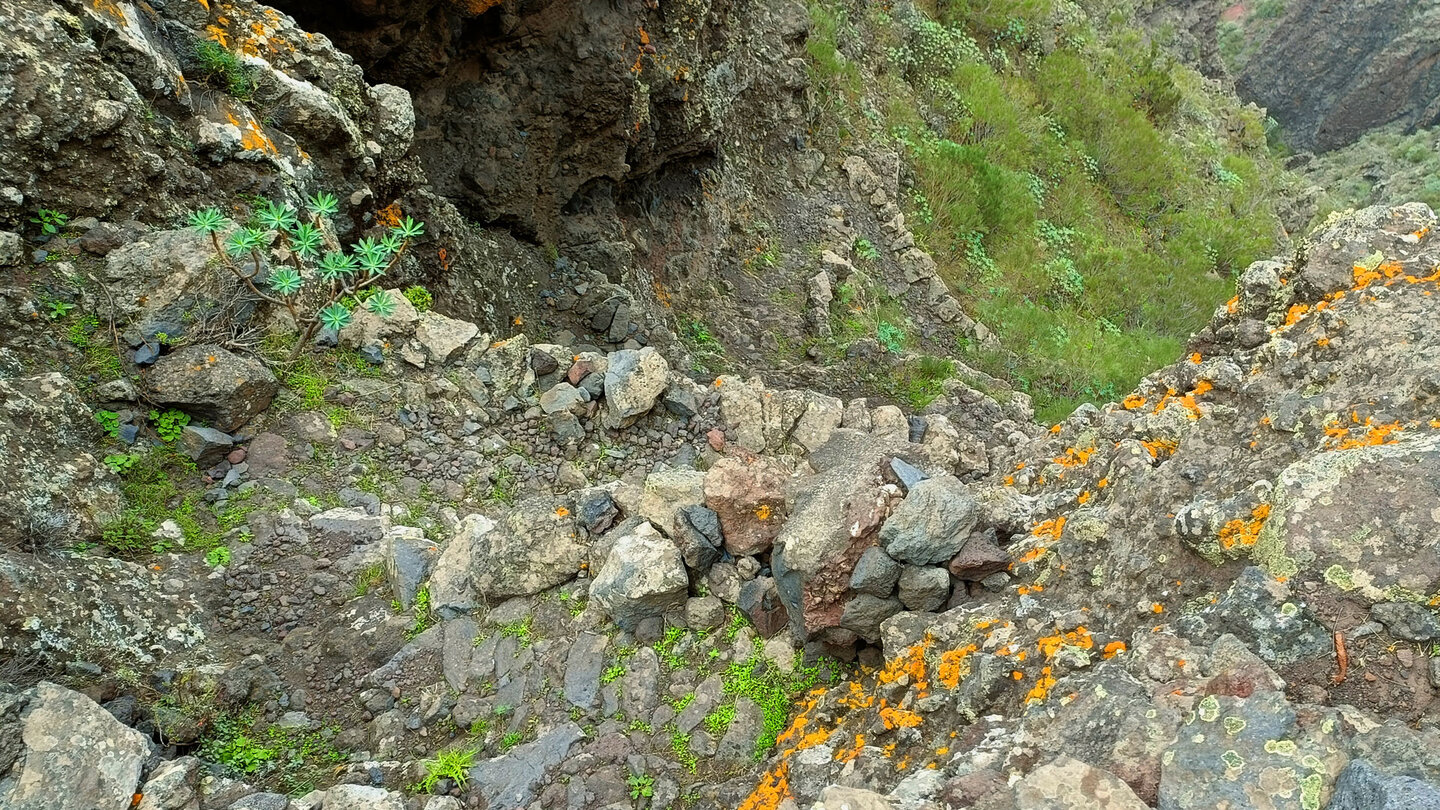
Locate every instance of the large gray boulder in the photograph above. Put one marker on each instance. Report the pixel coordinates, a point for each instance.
(643, 576)
(533, 547)
(633, 380)
(932, 524)
(55, 489)
(208, 382)
(70, 754)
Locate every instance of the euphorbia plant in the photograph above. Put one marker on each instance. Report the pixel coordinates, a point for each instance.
(310, 273)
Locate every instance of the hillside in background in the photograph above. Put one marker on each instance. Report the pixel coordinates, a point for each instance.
(1086, 195)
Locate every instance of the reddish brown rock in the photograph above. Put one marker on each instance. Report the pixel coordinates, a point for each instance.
(749, 497)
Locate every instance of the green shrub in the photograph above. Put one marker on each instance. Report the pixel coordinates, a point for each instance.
(222, 70)
(453, 764)
(1084, 195)
(314, 280)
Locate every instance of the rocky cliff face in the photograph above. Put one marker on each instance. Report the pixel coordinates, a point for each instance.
(1328, 72)
(1331, 71)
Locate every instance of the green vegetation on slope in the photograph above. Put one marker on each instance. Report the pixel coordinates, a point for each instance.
(1088, 198)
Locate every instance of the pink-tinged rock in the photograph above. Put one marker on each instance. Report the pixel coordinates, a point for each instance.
(716, 437)
(749, 497)
(236, 456)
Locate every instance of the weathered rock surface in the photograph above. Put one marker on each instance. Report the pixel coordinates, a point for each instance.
(533, 547)
(56, 490)
(212, 384)
(71, 754)
(643, 577)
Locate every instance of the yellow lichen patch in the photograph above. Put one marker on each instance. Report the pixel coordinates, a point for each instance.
(1083, 498)
(762, 512)
(894, 718)
(217, 34)
(954, 665)
(1244, 533)
(1056, 428)
(1133, 402)
(1195, 358)
(1102, 483)
(1113, 649)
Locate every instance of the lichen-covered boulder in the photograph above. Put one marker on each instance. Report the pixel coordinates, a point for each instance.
(71, 754)
(56, 489)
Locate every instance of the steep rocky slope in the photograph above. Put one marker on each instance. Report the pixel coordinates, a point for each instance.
(515, 540)
(1188, 557)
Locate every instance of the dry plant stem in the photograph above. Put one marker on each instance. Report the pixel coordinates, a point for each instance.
(1341, 658)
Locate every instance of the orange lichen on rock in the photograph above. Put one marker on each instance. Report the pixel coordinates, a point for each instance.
(474, 7)
(1032, 555)
(1341, 438)
(1132, 402)
(1244, 533)
(1156, 447)
(1074, 457)
(1233, 305)
(1042, 687)
(954, 666)
(1079, 637)
(1113, 649)
(850, 754)
(1195, 358)
(894, 718)
(389, 216)
(857, 699)
(1050, 529)
(910, 663)
(773, 789)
